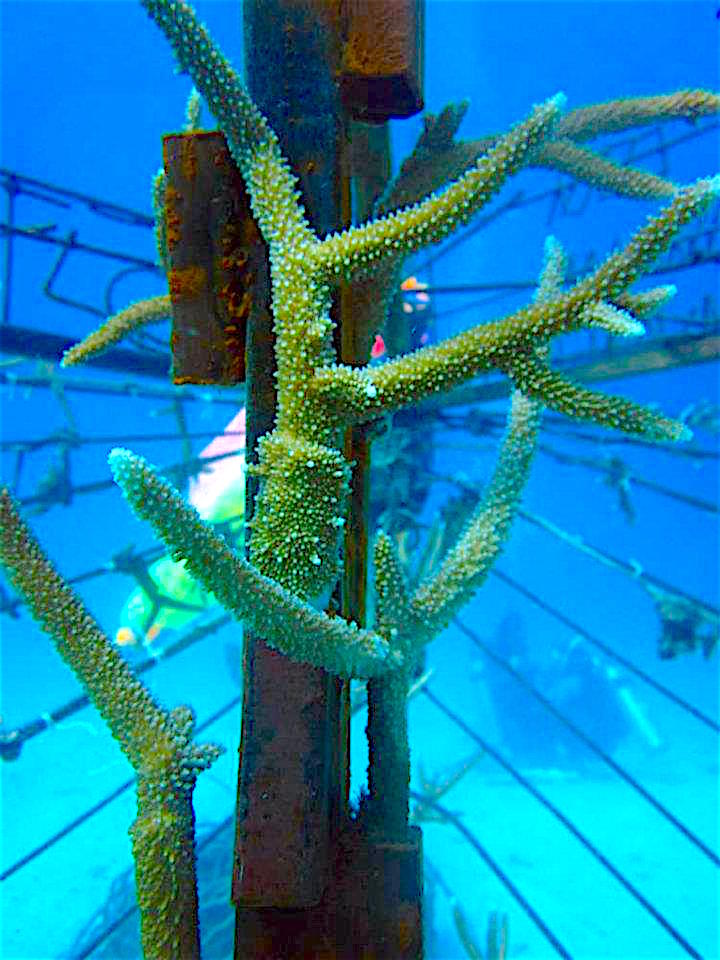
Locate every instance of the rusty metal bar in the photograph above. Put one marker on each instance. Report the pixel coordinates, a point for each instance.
(287, 785)
(382, 63)
(295, 884)
(216, 258)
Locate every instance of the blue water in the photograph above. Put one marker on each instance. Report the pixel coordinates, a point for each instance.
(87, 90)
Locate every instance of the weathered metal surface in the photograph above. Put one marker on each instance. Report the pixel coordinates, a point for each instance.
(379, 900)
(217, 259)
(292, 816)
(382, 65)
(289, 785)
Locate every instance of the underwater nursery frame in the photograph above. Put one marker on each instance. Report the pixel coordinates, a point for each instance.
(352, 512)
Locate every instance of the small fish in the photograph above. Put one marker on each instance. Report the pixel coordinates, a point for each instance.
(378, 348)
(125, 637)
(414, 301)
(174, 598)
(419, 299)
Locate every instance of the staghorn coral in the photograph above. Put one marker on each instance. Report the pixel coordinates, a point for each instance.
(304, 479)
(269, 608)
(158, 743)
(115, 328)
(412, 620)
(357, 394)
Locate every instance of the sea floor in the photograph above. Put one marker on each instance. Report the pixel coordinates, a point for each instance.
(77, 885)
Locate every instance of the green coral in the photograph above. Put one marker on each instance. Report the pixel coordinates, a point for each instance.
(266, 606)
(304, 479)
(157, 742)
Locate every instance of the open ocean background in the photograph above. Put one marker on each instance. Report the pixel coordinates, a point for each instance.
(87, 90)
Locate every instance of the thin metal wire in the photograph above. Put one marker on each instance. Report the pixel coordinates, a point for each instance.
(592, 745)
(82, 818)
(608, 651)
(482, 851)
(566, 822)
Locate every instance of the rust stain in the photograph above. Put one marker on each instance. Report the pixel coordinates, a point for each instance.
(187, 283)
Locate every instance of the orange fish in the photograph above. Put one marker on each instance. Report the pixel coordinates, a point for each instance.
(420, 300)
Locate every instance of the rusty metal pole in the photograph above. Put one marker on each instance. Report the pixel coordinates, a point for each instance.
(300, 887)
(381, 78)
(292, 776)
(306, 882)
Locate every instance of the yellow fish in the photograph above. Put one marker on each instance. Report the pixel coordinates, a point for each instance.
(172, 598)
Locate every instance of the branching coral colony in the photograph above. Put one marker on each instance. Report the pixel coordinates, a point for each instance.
(304, 478)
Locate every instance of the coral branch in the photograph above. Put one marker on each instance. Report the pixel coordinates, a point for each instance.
(468, 563)
(437, 152)
(391, 591)
(355, 395)
(599, 172)
(621, 114)
(647, 302)
(153, 310)
(404, 232)
(288, 623)
(158, 744)
(535, 378)
(134, 718)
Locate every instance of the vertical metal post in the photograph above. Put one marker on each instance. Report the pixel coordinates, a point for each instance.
(293, 765)
(306, 882)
